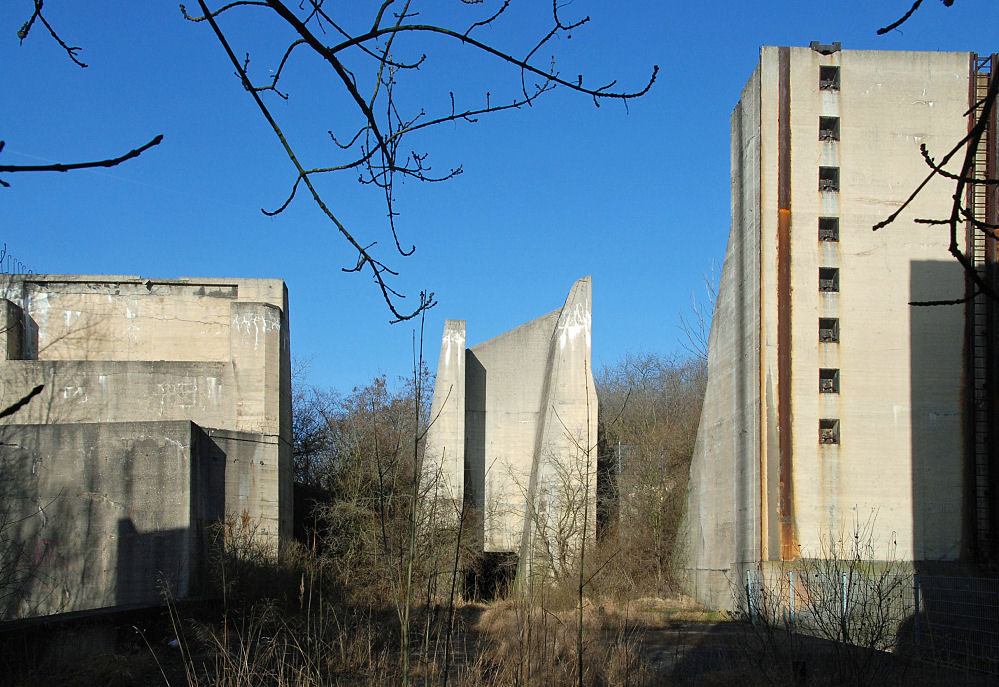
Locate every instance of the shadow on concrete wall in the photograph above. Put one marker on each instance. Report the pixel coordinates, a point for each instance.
(475, 436)
(942, 522)
(151, 565)
(78, 547)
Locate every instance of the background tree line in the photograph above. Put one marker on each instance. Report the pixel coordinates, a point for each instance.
(354, 455)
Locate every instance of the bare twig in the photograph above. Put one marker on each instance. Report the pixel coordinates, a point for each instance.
(25, 29)
(915, 6)
(65, 167)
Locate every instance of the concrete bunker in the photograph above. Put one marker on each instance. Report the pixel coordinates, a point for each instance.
(151, 409)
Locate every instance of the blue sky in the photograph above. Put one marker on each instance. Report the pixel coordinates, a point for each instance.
(637, 197)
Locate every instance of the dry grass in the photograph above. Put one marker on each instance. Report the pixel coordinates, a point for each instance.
(524, 643)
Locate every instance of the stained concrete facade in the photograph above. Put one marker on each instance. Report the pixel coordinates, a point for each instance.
(831, 401)
(514, 431)
(164, 406)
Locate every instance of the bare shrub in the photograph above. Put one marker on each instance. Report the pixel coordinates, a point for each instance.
(650, 406)
(837, 614)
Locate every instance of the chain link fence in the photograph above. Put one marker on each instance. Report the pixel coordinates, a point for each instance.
(939, 620)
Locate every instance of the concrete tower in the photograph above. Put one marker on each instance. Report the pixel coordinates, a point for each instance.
(832, 401)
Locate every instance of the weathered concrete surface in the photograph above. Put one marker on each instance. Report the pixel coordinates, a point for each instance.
(722, 499)
(126, 352)
(97, 514)
(444, 452)
(899, 460)
(528, 427)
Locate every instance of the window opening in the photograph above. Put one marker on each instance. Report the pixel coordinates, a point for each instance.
(828, 128)
(829, 381)
(828, 78)
(828, 330)
(829, 178)
(828, 279)
(828, 431)
(828, 228)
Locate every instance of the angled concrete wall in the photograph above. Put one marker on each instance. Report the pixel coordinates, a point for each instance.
(124, 361)
(444, 452)
(528, 428)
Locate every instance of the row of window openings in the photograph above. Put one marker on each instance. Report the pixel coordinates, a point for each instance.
(828, 276)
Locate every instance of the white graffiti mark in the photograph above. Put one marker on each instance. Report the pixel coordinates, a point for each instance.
(576, 322)
(256, 324)
(77, 393)
(453, 339)
(177, 395)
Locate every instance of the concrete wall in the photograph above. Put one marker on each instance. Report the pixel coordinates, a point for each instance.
(719, 526)
(762, 487)
(528, 427)
(444, 452)
(896, 419)
(118, 354)
(96, 513)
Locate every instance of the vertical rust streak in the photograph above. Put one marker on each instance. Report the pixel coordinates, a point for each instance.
(784, 415)
(761, 333)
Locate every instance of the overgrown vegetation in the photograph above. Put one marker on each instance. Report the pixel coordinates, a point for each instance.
(383, 587)
(650, 406)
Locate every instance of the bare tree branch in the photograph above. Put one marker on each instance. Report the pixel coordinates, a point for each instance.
(983, 112)
(898, 22)
(65, 167)
(378, 270)
(25, 29)
(379, 127)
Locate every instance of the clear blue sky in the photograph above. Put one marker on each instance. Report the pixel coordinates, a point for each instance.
(638, 197)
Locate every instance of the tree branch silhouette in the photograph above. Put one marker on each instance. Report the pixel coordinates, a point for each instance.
(71, 52)
(367, 66)
(904, 18)
(65, 167)
(962, 213)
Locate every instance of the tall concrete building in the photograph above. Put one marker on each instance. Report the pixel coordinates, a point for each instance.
(514, 432)
(832, 403)
(139, 413)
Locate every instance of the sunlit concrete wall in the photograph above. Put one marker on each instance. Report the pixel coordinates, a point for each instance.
(444, 452)
(723, 501)
(896, 472)
(121, 361)
(527, 425)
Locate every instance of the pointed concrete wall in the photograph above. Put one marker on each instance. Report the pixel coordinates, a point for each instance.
(526, 421)
(444, 455)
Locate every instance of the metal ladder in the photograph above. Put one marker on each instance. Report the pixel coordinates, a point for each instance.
(981, 311)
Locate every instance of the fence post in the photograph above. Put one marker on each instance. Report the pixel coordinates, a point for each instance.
(915, 612)
(790, 586)
(844, 596)
(749, 598)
